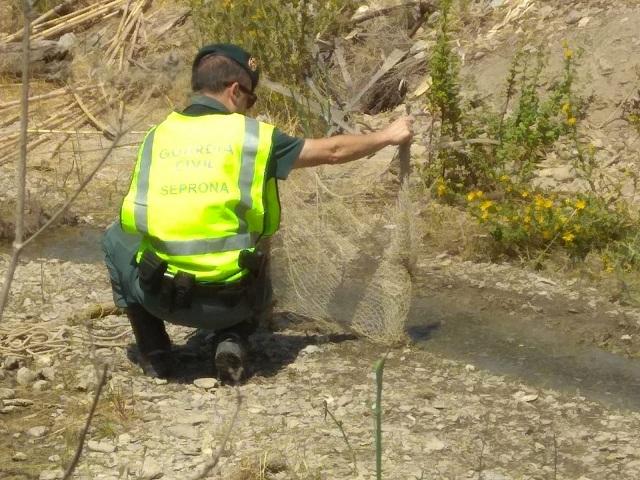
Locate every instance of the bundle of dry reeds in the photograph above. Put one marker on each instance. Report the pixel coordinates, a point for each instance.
(65, 120)
(52, 24)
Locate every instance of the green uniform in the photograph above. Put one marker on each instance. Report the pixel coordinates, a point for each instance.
(228, 305)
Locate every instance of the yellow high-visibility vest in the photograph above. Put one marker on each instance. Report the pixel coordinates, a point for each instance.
(200, 193)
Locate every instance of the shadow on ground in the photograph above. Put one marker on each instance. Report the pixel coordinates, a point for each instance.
(270, 351)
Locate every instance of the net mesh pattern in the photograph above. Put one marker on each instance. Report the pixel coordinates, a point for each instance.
(339, 258)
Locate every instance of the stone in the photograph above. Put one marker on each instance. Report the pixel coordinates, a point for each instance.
(151, 469)
(184, 431)
(196, 419)
(56, 474)
(573, 17)
(101, 446)
(86, 379)
(25, 376)
(37, 432)
(48, 373)
(206, 383)
(493, 475)
(310, 350)
(41, 385)
(67, 41)
(583, 22)
(19, 457)
(6, 393)
(11, 362)
(433, 444)
(18, 402)
(42, 361)
(604, 66)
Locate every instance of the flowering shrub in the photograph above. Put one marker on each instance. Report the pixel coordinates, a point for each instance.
(525, 221)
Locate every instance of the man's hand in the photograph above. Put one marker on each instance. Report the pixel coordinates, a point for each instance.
(400, 131)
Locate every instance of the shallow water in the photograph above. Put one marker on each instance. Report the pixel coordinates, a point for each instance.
(532, 353)
(80, 244)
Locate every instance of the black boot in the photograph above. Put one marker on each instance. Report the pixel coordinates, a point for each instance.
(231, 351)
(153, 342)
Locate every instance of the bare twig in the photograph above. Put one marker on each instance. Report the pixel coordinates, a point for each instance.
(211, 464)
(76, 457)
(21, 167)
(344, 436)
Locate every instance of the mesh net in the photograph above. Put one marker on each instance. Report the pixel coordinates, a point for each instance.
(342, 257)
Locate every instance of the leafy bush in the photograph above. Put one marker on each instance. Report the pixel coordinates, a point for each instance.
(282, 35)
(496, 182)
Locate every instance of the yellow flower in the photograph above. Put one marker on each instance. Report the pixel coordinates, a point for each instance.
(580, 205)
(485, 215)
(571, 121)
(527, 220)
(566, 108)
(568, 53)
(548, 203)
(524, 194)
(479, 194)
(471, 196)
(539, 201)
(486, 205)
(568, 237)
(504, 178)
(442, 189)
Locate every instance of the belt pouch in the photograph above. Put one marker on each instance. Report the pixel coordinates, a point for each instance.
(151, 269)
(184, 284)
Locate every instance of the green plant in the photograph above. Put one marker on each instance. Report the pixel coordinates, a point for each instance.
(378, 368)
(283, 36)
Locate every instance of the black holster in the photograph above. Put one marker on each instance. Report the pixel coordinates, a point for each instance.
(151, 269)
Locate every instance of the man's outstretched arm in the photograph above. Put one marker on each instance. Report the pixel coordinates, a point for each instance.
(345, 148)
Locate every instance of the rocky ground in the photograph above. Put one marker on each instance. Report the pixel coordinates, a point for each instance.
(444, 417)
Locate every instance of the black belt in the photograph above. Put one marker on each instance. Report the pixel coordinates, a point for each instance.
(179, 289)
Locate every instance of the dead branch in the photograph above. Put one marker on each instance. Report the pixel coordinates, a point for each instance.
(335, 116)
(108, 133)
(21, 166)
(395, 57)
(55, 93)
(211, 464)
(368, 15)
(76, 457)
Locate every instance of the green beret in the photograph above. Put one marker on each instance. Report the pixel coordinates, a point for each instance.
(235, 53)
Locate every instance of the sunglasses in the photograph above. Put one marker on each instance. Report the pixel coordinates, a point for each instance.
(251, 97)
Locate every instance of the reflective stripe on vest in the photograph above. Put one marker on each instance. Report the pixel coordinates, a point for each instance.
(242, 240)
(201, 193)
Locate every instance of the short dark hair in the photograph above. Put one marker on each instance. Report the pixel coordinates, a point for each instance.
(214, 73)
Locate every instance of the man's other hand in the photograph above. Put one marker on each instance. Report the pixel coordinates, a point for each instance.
(400, 131)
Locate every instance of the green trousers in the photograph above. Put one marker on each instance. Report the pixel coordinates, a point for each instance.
(211, 312)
